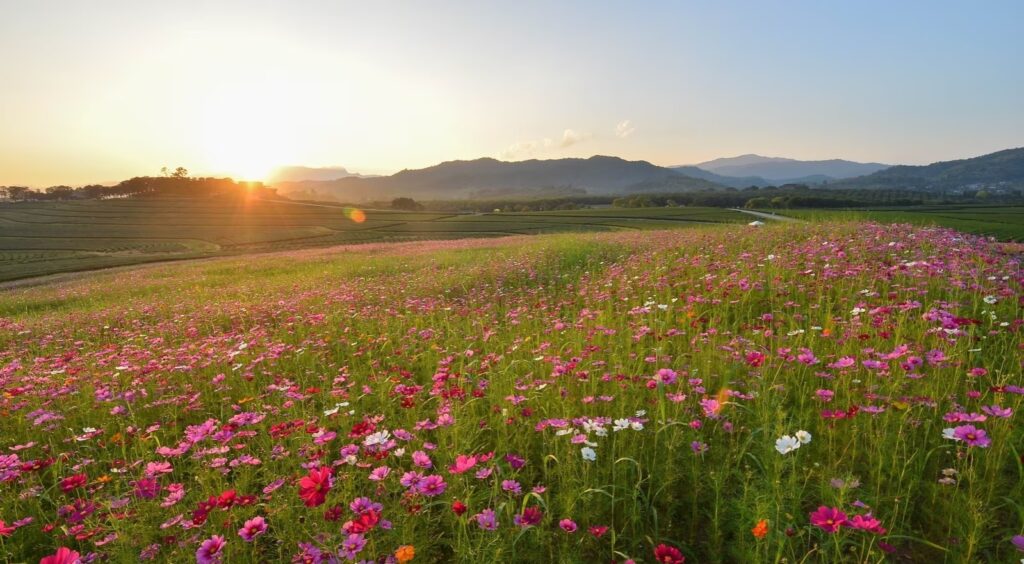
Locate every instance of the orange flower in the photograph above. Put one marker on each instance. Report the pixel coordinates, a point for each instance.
(761, 529)
(405, 553)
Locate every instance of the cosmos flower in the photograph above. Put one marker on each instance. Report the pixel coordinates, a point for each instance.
(314, 487)
(787, 444)
(253, 528)
(486, 520)
(210, 550)
(63, 555)
(968, 434)
(665, 554)
(828, 519)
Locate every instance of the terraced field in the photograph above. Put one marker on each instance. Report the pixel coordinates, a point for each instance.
(40, 238)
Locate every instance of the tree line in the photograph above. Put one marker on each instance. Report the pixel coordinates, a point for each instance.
(175, 182)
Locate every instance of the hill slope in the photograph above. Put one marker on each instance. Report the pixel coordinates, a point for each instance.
(1002, 169)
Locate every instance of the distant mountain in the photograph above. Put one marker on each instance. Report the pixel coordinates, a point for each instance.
(301, 173)
(731, 181)
(493, 178)
(781, 170)
(995, 171)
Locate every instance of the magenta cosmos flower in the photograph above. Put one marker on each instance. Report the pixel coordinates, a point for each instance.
(828, 519)
(972, 436)
(211, 550)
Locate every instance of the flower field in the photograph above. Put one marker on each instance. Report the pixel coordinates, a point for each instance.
(837, 392)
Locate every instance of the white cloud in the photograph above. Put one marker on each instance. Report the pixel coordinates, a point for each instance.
(624, 129)
(535, 147)
(570, 137)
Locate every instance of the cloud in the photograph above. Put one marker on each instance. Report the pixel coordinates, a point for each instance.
(624, 129)
(570, 137)
(534, 147)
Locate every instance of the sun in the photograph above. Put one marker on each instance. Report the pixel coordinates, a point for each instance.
(243, 136)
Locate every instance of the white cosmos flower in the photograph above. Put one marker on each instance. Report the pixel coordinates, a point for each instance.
(377, 438)
(949, 434)
(803, 436)
(787, 444)
(620, 424)
(588, 453)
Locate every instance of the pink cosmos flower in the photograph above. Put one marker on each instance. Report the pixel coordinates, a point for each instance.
(486, 520)
(462, 464)
(253, 528)
(64, 555)
(828, 519)
(866, 523)
(568, 525)
(378, 474)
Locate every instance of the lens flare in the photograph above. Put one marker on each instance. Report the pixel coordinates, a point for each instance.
(355, 214)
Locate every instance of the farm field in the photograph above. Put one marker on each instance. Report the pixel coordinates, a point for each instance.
(1002, 222)
(802, 392)
(51, 237)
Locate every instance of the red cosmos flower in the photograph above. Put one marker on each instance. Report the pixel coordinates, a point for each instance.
(64, 555)
(366, 521)
(598, 531)
(226, 499)
(314, 487)
(458, 507)
(668, 555)
(362, 428)
(6, 530)
(72, 482)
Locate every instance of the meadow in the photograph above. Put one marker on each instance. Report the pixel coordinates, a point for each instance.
(41, 238)
(1001, 222)
(801, 392)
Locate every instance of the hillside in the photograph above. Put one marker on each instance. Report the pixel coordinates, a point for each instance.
(1002, 170)
(491, 177)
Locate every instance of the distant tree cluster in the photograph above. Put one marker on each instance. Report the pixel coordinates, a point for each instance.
(175, 182)
(406, 204)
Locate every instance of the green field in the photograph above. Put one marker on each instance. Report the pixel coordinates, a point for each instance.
(43, 238)
(1001, 222)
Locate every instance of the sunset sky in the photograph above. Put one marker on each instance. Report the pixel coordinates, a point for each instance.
(100, 91)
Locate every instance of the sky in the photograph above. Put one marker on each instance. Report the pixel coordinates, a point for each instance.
(100, 91)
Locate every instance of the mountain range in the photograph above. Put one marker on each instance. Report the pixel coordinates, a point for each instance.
(604, 175)
(781, 170)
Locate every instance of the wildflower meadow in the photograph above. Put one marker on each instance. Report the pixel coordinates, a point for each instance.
(834, 392)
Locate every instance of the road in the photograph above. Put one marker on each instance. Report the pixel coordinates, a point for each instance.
(769, 216)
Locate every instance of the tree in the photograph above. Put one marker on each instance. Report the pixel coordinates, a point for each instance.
(60, 192)
(17, 193)
(180, 172)
(407, 204)
(761, 202)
